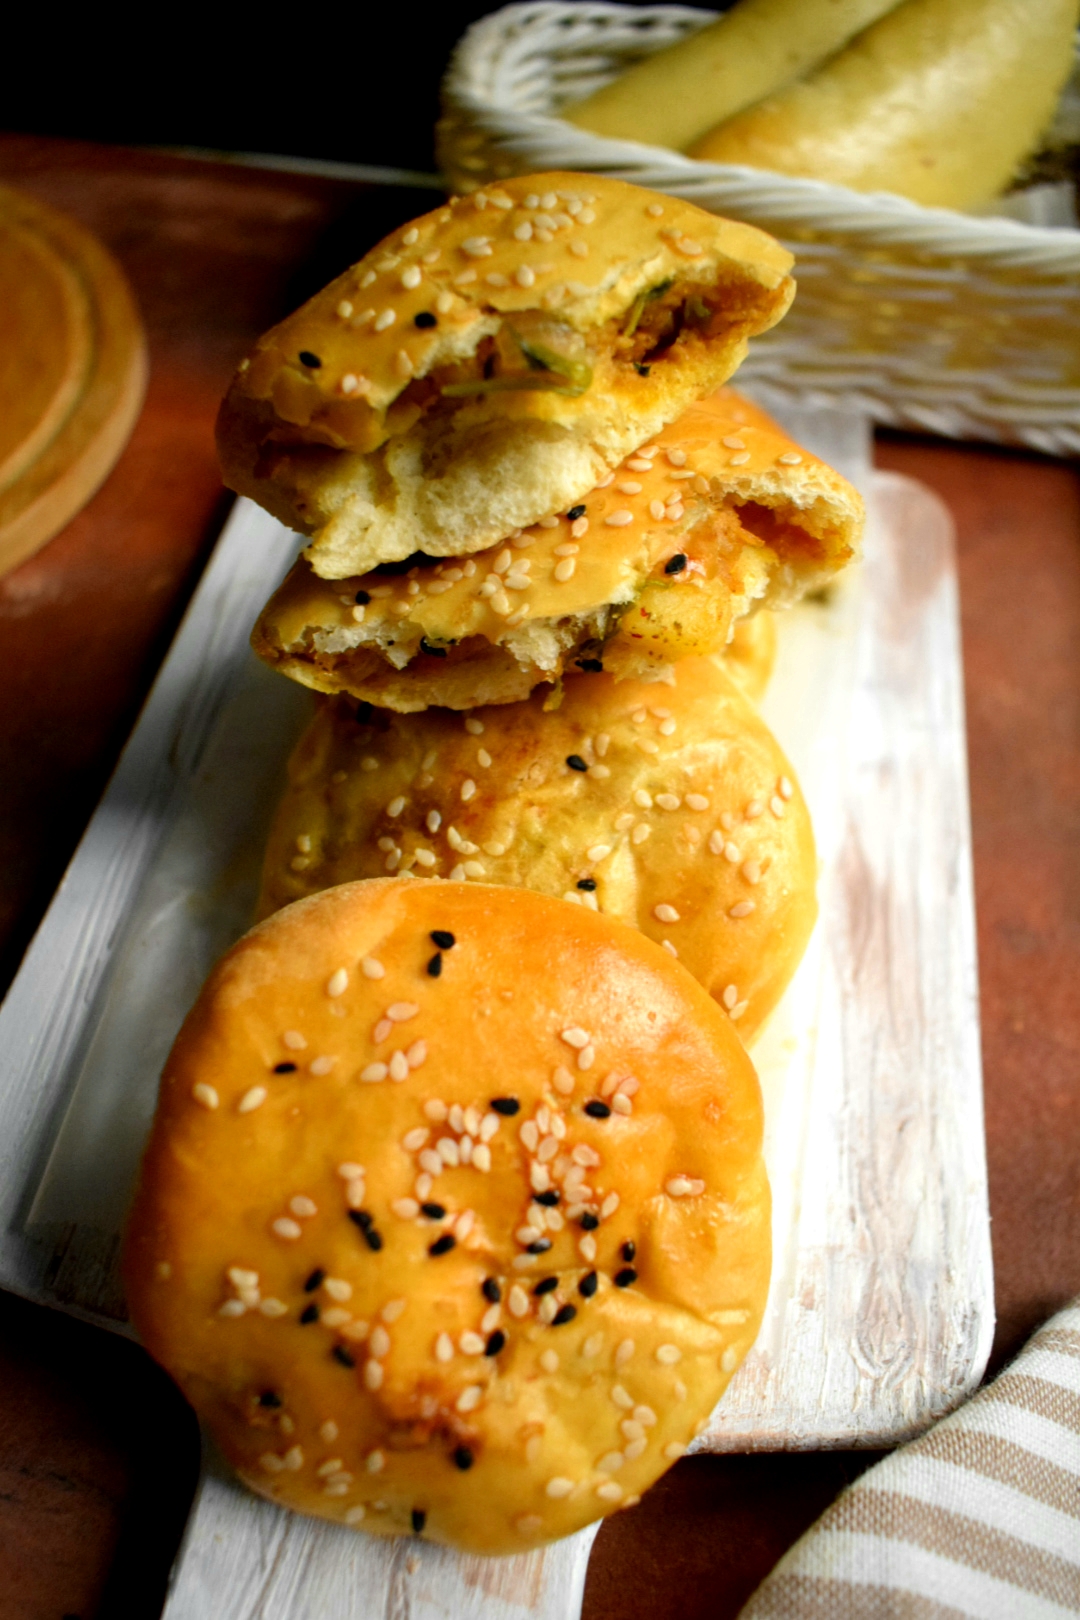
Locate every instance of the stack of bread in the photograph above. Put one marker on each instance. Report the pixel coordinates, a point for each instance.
(454, 1218)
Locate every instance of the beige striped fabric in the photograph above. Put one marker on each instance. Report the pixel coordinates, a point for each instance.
(978, 1518)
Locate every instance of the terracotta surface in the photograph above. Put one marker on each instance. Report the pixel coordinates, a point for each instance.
(97, 1455)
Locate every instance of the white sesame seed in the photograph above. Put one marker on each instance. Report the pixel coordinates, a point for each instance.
(373, 1378)
(665, 913)
(668, 801)
(401, 1011)
(471, 1344)
(740, 459)
(751, 871)
(232, 1307)
(444, 303)
(337, 983)
(374, 1072)
(285, 1228)
(371, 968)
(598, 852)
(303, 1206)
(609, 1206)
(754, 809)
(294, 1459)
(674, 1450)
(632, 1429)
(625, 1352)
(448, 1151)
(669, 947)
(575, 1037)
(559, 1487)
(580, 250)
(293, 1040)
(743, 908)
(619, 519)
(789, 458)
(469, 1398)
(385, 319)
(399, 1067)
(477, 247)
(406, 1209)
(668, 1354)
(777, 806)
(696, 801)
(634, 1449)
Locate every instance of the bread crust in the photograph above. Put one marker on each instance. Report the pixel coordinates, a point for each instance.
(719, 515)
(673, 803)
(363, 1361)
(378, 436)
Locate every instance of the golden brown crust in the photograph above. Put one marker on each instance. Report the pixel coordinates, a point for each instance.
(338, 421)
(723, 497)
(687, 819)
(346, 1349)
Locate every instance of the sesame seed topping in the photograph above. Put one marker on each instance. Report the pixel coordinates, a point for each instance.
(564, 569)
(559, 1487)
(470, 1398)
(740, 459)
(668, 1354)
(385, 319)
(442, 1245)
(665, 913)
(624, 1277)
(284, 1068)
(789, 458)
(477, 247)
(741, 909)
(619, 519)
(508, 1106)
(374, 1072)
(283, 1227)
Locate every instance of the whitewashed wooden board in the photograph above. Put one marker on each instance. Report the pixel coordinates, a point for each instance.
(880, 1313)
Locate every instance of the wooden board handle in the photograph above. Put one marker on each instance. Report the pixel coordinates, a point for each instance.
(246, 1559)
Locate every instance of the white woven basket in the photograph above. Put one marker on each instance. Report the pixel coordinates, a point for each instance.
(923, 317)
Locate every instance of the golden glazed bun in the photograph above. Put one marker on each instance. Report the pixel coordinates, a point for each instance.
(671, 807)
(719, 514)
(489, 363)
(454, 1219)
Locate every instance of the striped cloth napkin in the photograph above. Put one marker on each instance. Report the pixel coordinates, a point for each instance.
(978, 1518)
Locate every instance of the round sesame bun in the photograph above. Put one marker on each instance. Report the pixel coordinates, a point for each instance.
(673, 804)
(489, 363)
(488, 1303)
(720, 514)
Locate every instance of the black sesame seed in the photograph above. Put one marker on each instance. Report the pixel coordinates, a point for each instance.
(424, 320)
(373, 1239)
(495, 1343)
(592, 666)
(564, 1314)
(270, 1397)
(284, 1068)
(541, 1246)
(434, 1212)
(443, 938)
(588, 1285)
(362, 598)
(419, 1519)
(364, 712)
(629, 1250)
(597, 1109)
(676, 564)
(434, 967)
(546, 1285)
(362, 1219)
(442, 1245)
(549, 1199)
(309, 359)
(625, 1277)
(506, 1105)
(432, 651)
(340, 1353)
(309, 1314)
(316, 1280)
(588, 1222)
(463, 1458)
(587, 883)
(491, 1290)
(642, 370)
(575, 512)
(576, 763)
